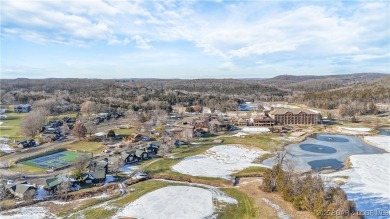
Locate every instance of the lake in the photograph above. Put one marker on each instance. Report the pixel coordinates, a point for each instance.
(324, 151)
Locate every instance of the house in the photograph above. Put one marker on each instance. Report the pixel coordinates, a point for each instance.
(22, 108)
(98, 176)
(51, 184)
(262, 120)
(23, 190)
(27, 144)
(189, 120)
(99, 165)
(142, 154)
(244, 121)
(129, 157)
(218, 125)
(293, 116)
(153, 147)
(187, 131)
(135, 155)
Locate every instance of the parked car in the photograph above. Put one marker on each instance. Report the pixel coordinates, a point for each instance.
(140, 175)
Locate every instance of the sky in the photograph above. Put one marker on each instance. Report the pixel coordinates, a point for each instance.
(192, 39)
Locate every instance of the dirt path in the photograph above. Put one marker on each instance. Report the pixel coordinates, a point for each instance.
(268, 203)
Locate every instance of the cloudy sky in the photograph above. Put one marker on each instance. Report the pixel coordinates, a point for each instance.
(192, 39)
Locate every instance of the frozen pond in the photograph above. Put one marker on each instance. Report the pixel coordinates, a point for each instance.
(367, 183)
(324, 151)
(384, 132)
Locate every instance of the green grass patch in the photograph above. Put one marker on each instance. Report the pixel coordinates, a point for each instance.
(124, 132)
(244, 209)
(263, 157)
(251, 171)
(86, 146)
(98, 213)
(27, 169)
(91, 203)
(265, 141)
(61, 116)
(140, 189)
(11, 126)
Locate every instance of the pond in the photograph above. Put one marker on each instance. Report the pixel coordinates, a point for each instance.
(324, 151)
(384, 132)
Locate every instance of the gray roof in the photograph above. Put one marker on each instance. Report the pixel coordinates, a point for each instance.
(100, 174)
(282, 111)
(22, 188)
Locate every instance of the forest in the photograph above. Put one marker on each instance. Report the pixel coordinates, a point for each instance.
(354, 94)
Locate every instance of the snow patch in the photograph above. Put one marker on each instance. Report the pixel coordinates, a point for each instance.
(129, 169)
(279, 211)
(171, 202)
(255, 129)
(240, 134)
(381, 141)
(362, 129)
(368, 183)
(27, 212)
(100, 134)
(219, 161)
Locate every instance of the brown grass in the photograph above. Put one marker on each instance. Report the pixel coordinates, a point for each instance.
(251, 187)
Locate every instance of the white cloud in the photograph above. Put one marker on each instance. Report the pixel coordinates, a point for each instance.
(232, 31)
(141, 42)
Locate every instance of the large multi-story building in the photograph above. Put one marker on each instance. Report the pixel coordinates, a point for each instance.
(294, 116)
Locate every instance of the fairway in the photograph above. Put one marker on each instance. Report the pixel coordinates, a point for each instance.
(54, 161)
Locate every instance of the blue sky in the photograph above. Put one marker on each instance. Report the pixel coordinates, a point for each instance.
(192, 39)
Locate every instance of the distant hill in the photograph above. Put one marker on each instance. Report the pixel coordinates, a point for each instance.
(312, 83)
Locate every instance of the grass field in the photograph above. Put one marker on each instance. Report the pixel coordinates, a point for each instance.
(54, 161)
(124, 132)
(243, 210)
(264, 141)
(19, 167)
(11, 126)
(87, 146)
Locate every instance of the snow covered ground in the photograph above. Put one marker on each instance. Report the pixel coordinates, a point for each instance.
(361, 129)
(27, 212)
(354, 130)
(279, 211)
(255, 129)
(368, 182)
(380, 141)
(4, 146)
(171, 202)
(239, 134)
(100, 134)
(129, 169)
(219, 161)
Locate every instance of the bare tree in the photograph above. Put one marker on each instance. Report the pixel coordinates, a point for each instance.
(3, 189)
(79, 165)
(63, 189)
(65, 129)
(279, 155)
(91, 127)
(33, 122)
(88, 108)
(117, 163)
(79, 130)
